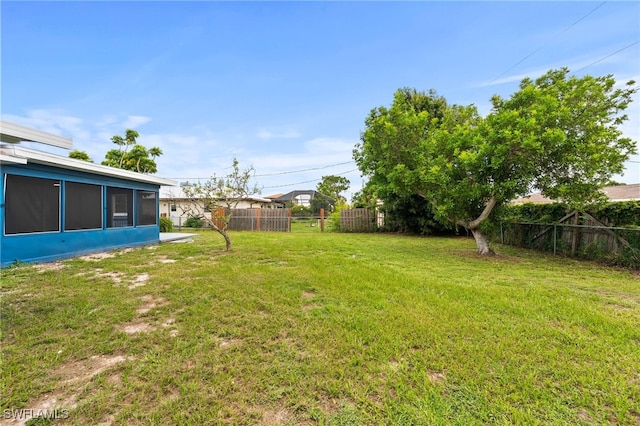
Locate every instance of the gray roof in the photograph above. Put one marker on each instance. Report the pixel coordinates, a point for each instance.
(629, 192)
(312, 193)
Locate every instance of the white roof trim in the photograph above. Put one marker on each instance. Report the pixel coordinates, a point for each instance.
(176, 193)
(9, 159)
(17, 154)
(15, 133)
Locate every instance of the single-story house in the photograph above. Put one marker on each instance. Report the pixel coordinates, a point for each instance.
(615, 193)
(300, 198)
(175, 205)
(54, 207)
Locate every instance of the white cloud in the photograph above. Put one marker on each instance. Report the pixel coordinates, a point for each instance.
(200, 154)
(52, 121)
(134, 121)
(281, 134)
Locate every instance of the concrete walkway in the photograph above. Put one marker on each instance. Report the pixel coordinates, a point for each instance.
(166, 237)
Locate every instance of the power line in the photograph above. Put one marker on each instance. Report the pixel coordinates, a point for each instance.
(275, 173)
(306, 181)
(304, 170)
(608, 56)
(544, 45)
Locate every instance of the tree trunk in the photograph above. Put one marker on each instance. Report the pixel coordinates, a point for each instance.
(227, 239)
(481, 242)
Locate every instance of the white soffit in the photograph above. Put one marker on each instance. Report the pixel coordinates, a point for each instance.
(15, 133)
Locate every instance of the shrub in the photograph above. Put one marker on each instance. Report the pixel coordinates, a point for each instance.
(193, 222)
(300, 211)
(166, 225)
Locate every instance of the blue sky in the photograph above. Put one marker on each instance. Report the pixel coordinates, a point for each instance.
(285, 86)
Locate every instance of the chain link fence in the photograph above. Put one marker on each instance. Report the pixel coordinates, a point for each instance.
(611, 245)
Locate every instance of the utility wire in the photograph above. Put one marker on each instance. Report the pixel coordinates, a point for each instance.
(306, 181)
(275, 173)
(544, 45)
(304, 170)
(608, 56)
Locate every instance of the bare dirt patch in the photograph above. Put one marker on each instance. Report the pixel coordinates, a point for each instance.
(136, 327)
(584, 416)
(150, 302)
(96, 257)
(71, 381)
(43, 267)
(108, 421)
(227, 343)
(87, 368)
(308, 295)
(436, 377)
(329, 405)
(275, 417)
(164, 259)
(394, 365)
(115, 276)
(139, 280)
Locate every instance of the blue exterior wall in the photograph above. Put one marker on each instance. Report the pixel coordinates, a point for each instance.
(47, 246)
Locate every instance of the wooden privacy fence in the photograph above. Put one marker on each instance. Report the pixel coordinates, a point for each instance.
(357, 220)
(255, 219)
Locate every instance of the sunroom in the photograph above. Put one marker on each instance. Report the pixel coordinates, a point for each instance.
(54, 207)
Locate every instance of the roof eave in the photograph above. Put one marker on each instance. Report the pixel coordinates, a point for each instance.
(39, 157)
(15, 133)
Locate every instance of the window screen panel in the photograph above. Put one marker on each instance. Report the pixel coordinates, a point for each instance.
(31, 205)
(119, 207)
(82, 206)
(147, 208)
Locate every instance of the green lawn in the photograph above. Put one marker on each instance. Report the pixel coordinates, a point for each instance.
(323, 328)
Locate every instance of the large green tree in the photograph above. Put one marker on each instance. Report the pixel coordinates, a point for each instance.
(130, 155)
(402, 210)
(558, 134)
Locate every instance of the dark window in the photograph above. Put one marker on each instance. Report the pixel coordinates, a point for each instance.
(82, 206)
(119, 207)
(173, 208)
(146, 208)
(32, 205)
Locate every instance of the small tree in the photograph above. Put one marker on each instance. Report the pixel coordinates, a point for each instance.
(224, 192)
(137, 159)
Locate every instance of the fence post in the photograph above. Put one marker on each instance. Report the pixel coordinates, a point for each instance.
(501, 234)
(575, 235)
(555, 239)
(258, 220)
(322, 219)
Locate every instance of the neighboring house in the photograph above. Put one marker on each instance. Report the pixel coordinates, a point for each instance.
(300, 198)
(175, 205)
(614, 193)
(55, 207)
